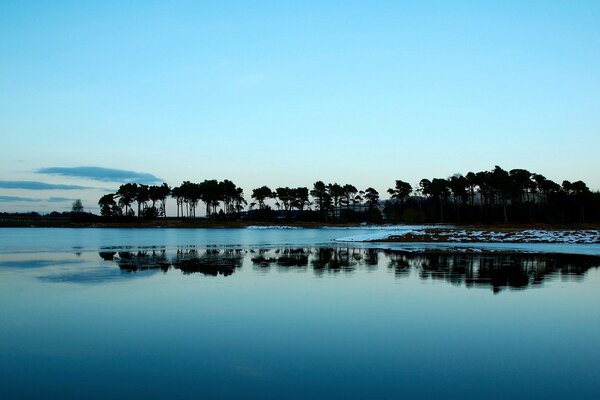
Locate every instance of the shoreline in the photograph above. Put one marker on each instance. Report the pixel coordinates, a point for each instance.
(432, 228)
(457, 235)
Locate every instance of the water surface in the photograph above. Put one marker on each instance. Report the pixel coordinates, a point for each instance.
(289, 314)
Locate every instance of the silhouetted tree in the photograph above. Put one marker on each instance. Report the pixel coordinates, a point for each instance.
(323, 199)
(191, 193)
(127, 194)
(471, 184)
(261, 194)
(159, 194)
(142, 196)
(350, 192)
(437, 188)
(108, 206)
(210, 192)
(178, 195)
(501, 182)
(300, 198)
(458, 186)
(371, 198)
(579, 191)
(285, 196)
(336, 193)
(77, 206)
(401, 191)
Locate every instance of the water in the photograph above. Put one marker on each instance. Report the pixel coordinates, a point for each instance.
(242, 313)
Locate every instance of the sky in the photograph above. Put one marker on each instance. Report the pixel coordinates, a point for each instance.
(94, 94)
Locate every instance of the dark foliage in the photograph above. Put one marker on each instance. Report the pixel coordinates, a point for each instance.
(516, 196)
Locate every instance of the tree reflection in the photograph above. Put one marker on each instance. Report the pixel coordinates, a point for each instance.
(141, 260)
(494, 270)
(211, 262)
(335, 260)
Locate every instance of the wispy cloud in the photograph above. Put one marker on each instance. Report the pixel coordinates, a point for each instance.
(102, 174)
(33, 185)
(17, 199)
(58, 199)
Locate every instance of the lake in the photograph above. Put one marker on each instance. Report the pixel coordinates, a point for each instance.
(292, 314)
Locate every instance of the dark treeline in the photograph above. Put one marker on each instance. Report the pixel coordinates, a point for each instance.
(494, 196)
(516, 196)
(224, 200)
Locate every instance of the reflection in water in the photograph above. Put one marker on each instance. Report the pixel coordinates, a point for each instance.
(143, 260)
(497, 270)
(336, 259)
(107, 255)
(211, 262)
(284, 258)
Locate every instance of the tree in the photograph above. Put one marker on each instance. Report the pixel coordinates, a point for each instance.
(261, 194)
(323, 199)
(239, 201)
(521, 185)
(373, 213)
(580, 192)
(336, 193)
(286, 196)
(177, 194)
(108, 206)
(159, 194)
(300, 198)
(546, 187)
(471, 183)
(142, 196)
(501, 182)
(437, 189)
(522, 188)
(349, 192)
(77, 207)
(191, 193)
(127, 194)
(401, 191)
(371, 198)
(211, 193)
(231, 195)
(458, 186)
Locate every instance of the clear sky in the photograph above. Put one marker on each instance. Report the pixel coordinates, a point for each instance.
(287, 93)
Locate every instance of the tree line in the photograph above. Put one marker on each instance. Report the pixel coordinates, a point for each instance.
(485, 196)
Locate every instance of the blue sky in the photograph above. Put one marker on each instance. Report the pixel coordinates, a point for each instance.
(282, 93)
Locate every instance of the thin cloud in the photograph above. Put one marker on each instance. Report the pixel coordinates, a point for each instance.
(33, 185)
(58, 199)
(17, 199)
(102, 174)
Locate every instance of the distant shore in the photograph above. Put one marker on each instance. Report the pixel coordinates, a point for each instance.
(50, 222)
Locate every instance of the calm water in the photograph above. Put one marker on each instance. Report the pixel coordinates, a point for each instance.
(272, 313)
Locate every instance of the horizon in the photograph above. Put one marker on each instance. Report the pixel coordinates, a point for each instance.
(285, 95)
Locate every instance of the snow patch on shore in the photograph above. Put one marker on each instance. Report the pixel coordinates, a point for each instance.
(469, 236)
(525, 236)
